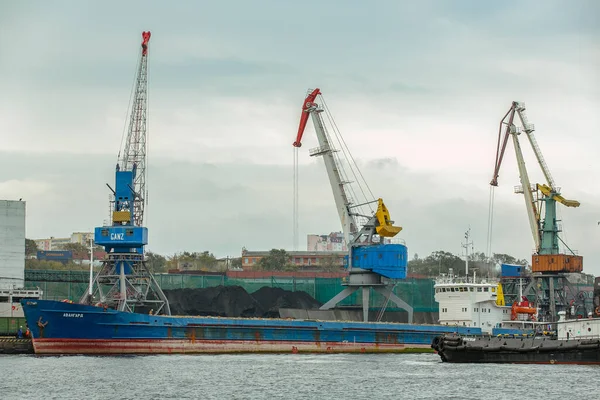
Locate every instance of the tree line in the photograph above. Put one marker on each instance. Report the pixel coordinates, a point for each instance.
(441, 262)
(437, 263)
(157, 263)
(280, 260)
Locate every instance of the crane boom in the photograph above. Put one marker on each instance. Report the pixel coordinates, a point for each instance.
(134, 153)
(548, 192)
(308, 103)
(529, 128)
(502, 142)
(325, 149)
(532, 213)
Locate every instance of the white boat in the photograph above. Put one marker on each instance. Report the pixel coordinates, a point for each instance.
(478, 302)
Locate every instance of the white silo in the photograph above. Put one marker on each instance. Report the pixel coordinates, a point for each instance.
(12, 244)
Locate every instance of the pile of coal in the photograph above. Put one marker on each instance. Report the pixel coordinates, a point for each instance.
(234, 301)
(272, 299)
(219, 301)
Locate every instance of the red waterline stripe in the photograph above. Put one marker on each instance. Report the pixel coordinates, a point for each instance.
(51, 346)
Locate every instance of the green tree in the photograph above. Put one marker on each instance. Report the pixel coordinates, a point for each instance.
(30, 247)
(478, 256)
(156, 262)
(440, 262)
(203, 261)
(436, 263)
(207, 261)
(330, 263)
(34, 263)
(500, 258)
(76, 248)
(236, 262)
(276, 260)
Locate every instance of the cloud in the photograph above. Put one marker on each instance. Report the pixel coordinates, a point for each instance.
(222, 207)
(417, 90)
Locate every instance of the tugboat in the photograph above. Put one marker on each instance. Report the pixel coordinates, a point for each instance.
(573, 342)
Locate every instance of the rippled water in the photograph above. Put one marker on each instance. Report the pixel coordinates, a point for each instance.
(289, 376)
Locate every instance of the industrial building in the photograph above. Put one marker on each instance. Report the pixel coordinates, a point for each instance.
(12, 243)
(12, 259)
(53, 243)
(332, 242)
(303, 260)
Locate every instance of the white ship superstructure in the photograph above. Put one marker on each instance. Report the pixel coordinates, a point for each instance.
(468, 302)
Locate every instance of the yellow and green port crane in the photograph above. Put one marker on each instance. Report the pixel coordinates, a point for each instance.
(545, 231)
(548, 264)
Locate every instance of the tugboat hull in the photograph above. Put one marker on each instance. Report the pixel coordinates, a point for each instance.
(517, 350)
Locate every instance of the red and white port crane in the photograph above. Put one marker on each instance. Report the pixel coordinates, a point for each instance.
(370, 258)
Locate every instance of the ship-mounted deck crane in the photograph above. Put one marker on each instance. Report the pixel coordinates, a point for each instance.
(124, 282)
(548, 263)
(370, 260)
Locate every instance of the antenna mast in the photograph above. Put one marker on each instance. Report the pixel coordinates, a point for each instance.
(466, 245)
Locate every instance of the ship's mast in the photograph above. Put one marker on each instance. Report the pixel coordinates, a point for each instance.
(466, 245)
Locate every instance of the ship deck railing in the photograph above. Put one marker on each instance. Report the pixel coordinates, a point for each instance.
(582, 337)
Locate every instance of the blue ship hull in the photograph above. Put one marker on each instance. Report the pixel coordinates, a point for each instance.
(70, 328)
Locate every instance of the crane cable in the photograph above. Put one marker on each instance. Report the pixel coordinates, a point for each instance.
(351, 194)
(295, 201)
(348, 189)
(350, 159)
(129, 104)
(490, 223)
(144, 221)
(562, 241)
(125, 132)
(346, 151)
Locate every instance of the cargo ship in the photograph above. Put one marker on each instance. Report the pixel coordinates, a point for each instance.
(63, 327)
(126, 312)
(71, 328)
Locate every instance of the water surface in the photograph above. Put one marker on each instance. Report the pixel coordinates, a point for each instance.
(287, 376)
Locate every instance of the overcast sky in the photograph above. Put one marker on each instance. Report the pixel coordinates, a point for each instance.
(416, 88)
